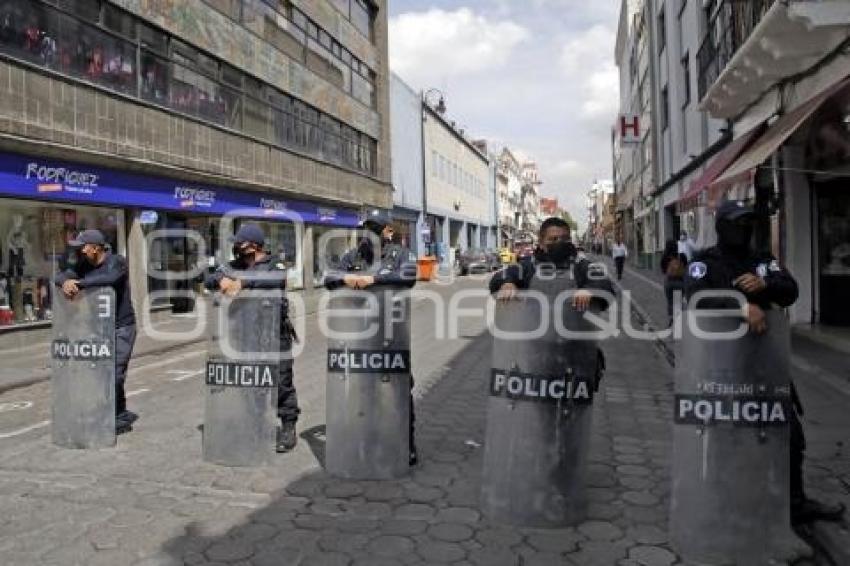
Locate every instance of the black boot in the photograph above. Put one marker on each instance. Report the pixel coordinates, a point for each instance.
(807, 510)
(286, 437)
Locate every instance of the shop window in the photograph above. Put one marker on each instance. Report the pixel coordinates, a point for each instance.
(35, 238)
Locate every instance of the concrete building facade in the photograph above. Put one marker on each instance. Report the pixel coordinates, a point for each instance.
(134, 117)
(458, 201)
(407, 163)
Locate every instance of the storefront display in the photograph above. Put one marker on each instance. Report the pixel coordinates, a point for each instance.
(34, 237)
(49, 201)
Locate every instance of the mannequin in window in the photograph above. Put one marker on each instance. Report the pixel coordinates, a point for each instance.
(17, 245)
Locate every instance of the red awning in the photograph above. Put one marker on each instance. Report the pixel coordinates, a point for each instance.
(716, 167)
(745, 166)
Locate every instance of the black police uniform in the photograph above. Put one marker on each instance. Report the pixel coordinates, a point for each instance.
(112, 272)
(395, 268)
(716, 268)
(521, 275)
(287, 399)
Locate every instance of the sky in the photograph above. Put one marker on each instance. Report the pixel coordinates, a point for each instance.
(535, 75)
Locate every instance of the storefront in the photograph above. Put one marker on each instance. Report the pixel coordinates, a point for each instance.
(184, 227)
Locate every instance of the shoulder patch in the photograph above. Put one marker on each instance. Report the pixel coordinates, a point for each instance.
(774, 266)
(697, 270)
(761, 270)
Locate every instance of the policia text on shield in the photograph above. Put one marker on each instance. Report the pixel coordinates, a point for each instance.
(94, 332)
(249, 375)
(539, 414)
(369, 399)
(738, 439)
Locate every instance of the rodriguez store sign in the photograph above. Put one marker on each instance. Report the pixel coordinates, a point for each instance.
(25, 177)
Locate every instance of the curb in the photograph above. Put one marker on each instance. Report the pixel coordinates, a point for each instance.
(39, 377)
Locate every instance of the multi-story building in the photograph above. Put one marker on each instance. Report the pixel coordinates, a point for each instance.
(407, 164)
(137, 117)
(509, 184)
(626, 161)
(687, 139)
(530, 198)
(549, 207)
(779, 71)
(601, 216)
(458, 188)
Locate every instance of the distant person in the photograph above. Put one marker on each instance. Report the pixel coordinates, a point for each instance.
(674, 267)
(99, 267)
(619, 253)
(686, 246)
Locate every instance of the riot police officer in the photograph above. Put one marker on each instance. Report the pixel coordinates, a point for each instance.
(555, 247)
(733, 265)
(97, 266)
(249, 256)
(395, 267)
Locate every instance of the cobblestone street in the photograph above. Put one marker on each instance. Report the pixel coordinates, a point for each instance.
(152, 500)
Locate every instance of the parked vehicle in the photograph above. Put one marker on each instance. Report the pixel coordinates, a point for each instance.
(493, 257)
(474, 260)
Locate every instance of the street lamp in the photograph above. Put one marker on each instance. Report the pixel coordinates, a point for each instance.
(440, 107)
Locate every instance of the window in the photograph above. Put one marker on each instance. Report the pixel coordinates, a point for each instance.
(119, 21)
(139, 60)
(361, 17)
(665, 108)
(686, 80)
(88, 10)
(153, 39)
(662, 30)
(299, 19)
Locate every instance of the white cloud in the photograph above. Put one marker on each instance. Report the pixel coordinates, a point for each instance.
(587, 59)
(433, 45)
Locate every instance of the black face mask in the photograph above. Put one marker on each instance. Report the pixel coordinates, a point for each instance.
(365, 251)
(734, 236)
(560, 253)
(242, 255)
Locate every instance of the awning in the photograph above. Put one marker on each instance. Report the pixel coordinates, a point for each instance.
(744, 168)
(716, 167)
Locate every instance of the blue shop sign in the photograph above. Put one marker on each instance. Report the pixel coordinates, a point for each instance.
(36, 178)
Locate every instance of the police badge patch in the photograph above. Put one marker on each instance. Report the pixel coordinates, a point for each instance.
(697, 270)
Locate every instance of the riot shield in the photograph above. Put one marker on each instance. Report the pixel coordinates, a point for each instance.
(241, 379)
(730, 498)
(82, 376)
(368, 384)
(539, 413)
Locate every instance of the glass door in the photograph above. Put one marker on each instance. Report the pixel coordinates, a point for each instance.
(834, 252)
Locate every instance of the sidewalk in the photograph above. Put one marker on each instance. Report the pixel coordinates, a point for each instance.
(821, 372)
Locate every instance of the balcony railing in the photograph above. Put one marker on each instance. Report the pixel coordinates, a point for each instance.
(730, 24)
